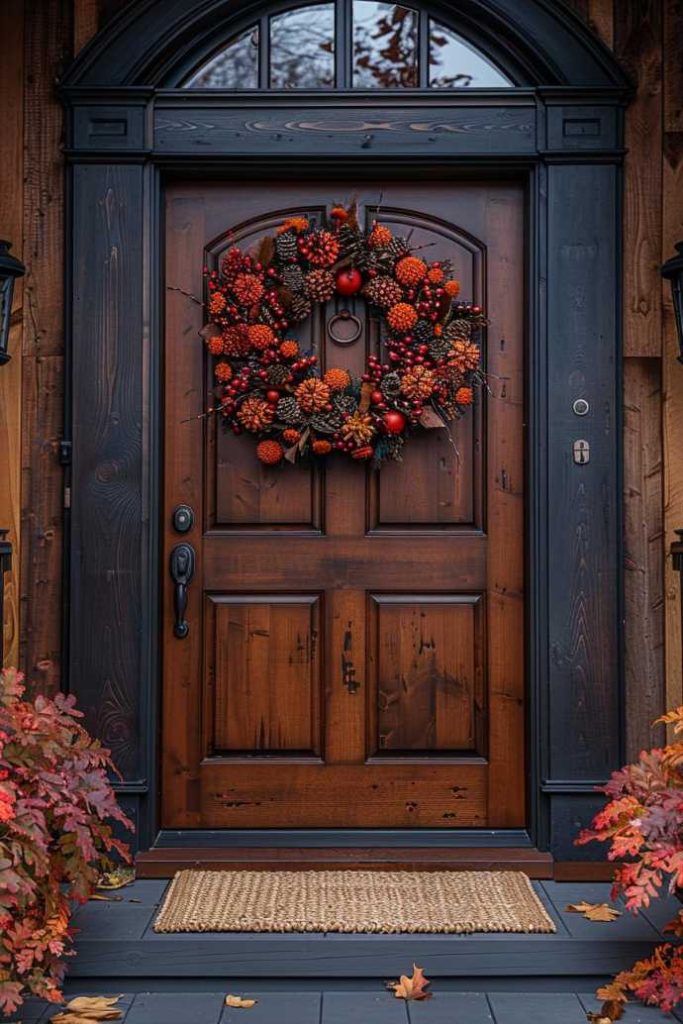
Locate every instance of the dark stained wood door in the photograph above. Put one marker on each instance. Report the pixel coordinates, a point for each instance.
(356, 645)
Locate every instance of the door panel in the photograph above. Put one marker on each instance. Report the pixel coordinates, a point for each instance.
(355, 655)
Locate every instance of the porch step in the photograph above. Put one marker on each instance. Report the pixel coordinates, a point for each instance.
(163, 862)
(116, 941)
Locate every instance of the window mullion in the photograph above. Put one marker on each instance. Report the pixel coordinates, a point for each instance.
(423, 51)
(343, 43)
(264, 52)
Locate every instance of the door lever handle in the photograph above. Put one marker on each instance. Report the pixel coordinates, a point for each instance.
(182, 570)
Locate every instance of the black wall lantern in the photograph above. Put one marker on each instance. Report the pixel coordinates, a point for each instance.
(673, 271)
(10, 269)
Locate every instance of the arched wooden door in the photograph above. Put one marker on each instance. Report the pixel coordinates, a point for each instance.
(356, 646)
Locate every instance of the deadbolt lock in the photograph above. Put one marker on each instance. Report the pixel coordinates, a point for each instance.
(183, 519)
(582, 452)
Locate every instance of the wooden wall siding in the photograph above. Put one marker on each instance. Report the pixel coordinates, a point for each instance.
(47, 51)
(672, 219)
(11, 227)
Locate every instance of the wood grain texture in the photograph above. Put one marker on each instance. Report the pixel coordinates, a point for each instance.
(47, 50)
(12, 228)
(584, 522)
(418, 708)
(673, 420)
(643, 555)
(107, 520)
(86, 17)
(638, 44)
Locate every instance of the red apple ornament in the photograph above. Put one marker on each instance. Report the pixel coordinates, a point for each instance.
(349, 281)
(394, 422)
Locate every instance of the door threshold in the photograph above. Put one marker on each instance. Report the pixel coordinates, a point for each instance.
(164, 861)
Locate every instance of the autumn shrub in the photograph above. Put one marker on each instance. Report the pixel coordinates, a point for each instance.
(643, 823)
(56, 805)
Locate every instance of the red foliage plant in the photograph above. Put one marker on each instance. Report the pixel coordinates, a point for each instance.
(55, 840)
(643, 822)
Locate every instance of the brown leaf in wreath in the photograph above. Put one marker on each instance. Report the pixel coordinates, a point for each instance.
(443, 308)
(430, 418)
(290, 453)
(595, 911)
(284, 295)
(366, 390)
(352, 211)
(411, 988)
(209, 330)
(266, 251)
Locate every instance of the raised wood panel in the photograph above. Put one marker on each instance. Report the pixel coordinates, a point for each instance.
(426, 673)
(439, 480)
(12, 228)
(264, 668)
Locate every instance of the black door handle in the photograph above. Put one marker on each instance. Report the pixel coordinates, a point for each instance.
(182, 571)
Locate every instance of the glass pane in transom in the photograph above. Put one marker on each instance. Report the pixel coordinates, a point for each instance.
(453, 63)
(384, 46)
(302, 48)
(233, 67)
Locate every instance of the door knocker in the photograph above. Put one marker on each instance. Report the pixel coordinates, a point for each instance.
(347, 327)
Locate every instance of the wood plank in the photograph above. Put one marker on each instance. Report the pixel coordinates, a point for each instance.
(343, 1007)
(85, 14)
(536, 1008)
(47, 50)
(628, 927)
(452, 1008)
(643, 554)
(277, 1008)
(121, 921)
(638, 45)
(673, 68)
(163, 863)
(176, 1008)
(12, 228)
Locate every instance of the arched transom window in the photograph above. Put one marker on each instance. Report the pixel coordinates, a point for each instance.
(356, 44)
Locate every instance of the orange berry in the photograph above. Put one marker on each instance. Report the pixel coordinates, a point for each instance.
(217, 303)
(464, 396)
(269, 452)
(223, 371)
(337, 379)
(379, 236)
(452, 288)
(410, 270)
(435, 275)
(215, 345)
(289, 349)
(260, 335)
(291, 436)
(321, 447)
(402, 317)
(297, 224)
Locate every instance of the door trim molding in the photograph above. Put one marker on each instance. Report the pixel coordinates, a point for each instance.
(114, 303)
(385, 838)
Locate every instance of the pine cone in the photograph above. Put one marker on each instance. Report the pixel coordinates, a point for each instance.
(424, 330)
(286, 247)
(278, 374)
(292, 277)
(254, 414)
(393, 447)
(326, 422)
(344, 403)
(457, 329)
(319, 285)
(288, 410)
(300, 309)
(383, 291)
(439, 348)
(391, 385)
(397, 248)
(418, 383)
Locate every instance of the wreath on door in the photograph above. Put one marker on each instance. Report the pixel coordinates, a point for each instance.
(266, 386)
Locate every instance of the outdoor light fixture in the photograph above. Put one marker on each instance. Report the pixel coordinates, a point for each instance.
(10, 269)
(673, 271)
(5, 566)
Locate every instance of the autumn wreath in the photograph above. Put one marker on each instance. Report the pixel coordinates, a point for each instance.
(268, 387)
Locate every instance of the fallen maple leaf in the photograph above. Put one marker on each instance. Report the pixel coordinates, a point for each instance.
(87, 1009)
(240, 1004)
(594, 911)
(411, 988)
(116, 879)
(609, 1012)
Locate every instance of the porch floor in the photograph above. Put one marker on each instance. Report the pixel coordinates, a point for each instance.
(335, 979)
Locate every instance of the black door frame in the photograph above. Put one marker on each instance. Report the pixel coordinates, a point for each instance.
(565, 142)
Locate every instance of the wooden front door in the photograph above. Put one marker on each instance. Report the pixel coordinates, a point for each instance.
(355, 654)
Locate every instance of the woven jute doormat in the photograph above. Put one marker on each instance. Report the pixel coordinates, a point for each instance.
(385, 902)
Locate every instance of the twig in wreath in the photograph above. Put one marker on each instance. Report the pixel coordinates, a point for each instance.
(175, 288)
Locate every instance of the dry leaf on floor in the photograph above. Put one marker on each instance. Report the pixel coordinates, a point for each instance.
(87, 1009)
(240, 1004)
(609, 1012)
(116, 879)
(594, 911)
(411, 988)
(105, 899)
